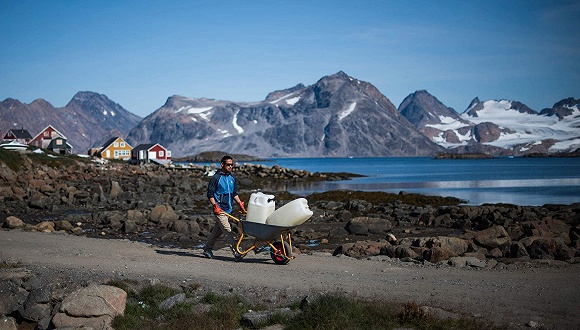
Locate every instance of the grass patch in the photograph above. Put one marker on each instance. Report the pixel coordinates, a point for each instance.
(53, 160)
(212, 311)
(12, 159)
(329, 311)
(333, 311)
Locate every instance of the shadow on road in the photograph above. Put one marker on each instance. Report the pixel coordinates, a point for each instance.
(246, 259)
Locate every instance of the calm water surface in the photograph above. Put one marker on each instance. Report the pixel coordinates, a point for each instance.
(520, 181)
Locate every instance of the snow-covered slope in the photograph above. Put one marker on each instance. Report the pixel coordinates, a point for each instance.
(504, 124)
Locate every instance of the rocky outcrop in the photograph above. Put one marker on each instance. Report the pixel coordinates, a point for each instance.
(94, 306)
(492, 232)
(56, 303)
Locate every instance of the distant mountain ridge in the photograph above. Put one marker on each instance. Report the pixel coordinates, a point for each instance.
(499, 127)
(338, 116)
(87, 118)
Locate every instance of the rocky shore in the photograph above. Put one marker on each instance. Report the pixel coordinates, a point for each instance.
(167, 206)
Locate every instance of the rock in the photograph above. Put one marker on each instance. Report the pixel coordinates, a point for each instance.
(454, 244)
(8, 323)
(437, 254)
(366, 225)
(439, 313)
(129, 226)
(13, 297)
(172, 301)
(543, 248)
(181, 227)
(466, 262)
(255, 318)
(115, 189)
(63, 225)
(518, 250)
(163, 215)
(77, 231)
(493, 237)
(94, 306)
(45, 227)
(13, 222)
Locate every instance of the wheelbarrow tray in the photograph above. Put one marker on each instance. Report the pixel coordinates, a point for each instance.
(263, 231)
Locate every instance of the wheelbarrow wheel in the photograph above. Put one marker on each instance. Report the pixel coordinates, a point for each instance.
(279, 257)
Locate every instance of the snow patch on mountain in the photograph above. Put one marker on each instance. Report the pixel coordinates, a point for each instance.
(235, 123)
(347, 112)
(204, 115)
(293, 100)
(224, 132)
(282, 98)
(447, 123)
(193, 110)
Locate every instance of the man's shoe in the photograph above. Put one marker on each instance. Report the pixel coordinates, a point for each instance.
(208, 254)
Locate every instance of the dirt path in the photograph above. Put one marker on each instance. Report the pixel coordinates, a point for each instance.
(548, 295)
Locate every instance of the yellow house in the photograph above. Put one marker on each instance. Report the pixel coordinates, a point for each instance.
(115, 148)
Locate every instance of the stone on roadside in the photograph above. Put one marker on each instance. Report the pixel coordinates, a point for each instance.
(94, 306)
(13, 222)
(172, 301)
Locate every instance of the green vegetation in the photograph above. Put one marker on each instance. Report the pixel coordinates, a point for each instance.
(377, 198)
(329, 311)
(52, 160)
(12, 159)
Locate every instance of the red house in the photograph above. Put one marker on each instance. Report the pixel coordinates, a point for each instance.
(45, 138)
(17, 135)
(147, 153)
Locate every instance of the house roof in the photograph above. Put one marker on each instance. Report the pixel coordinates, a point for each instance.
(20, 133)
(145, 146)
(111, 140)
(53, 145)
(44, 129)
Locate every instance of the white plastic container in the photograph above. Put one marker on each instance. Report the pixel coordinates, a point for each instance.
(260, 207)
(291, 214)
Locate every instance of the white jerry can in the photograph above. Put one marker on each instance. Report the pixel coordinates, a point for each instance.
(291, 214)
(260, 207)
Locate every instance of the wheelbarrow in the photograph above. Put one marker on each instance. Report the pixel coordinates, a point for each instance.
(275, 238)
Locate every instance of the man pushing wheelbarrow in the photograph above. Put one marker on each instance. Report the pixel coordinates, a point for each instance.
(265, 224)
(222, 192)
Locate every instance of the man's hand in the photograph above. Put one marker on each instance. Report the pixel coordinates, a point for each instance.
(242, 207)
(217, 210)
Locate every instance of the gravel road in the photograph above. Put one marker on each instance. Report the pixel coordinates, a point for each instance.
(546, 294)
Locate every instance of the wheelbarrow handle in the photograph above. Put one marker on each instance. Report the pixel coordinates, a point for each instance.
(231, 216)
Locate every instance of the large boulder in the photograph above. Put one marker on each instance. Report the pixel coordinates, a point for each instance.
(494, 237)
(455, 244)
(437, 254)
(94, 306)
(367, 225)
(13, 222)
(163, 215)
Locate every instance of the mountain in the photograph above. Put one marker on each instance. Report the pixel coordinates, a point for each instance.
(338, 116)
(500, 127)
(87, 118)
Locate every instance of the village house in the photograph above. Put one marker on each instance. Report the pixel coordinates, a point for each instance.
(115, 148)
(147, 153)
(51, 139)
(19, 135)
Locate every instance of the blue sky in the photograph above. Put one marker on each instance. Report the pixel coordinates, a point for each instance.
(139, 53)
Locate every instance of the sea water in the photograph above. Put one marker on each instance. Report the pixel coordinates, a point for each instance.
(520, 181)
